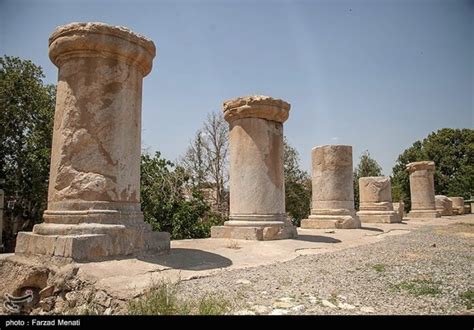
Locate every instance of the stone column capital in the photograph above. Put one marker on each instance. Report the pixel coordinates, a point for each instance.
(423, 165)
(256, 106)
(99, 39)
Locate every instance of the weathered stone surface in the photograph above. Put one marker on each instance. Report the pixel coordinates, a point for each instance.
(399, 207)
(458, 205)
(444, 205)
(376, 200)
(94, 187)
(333, 193)
(257, 185)
(422, 190)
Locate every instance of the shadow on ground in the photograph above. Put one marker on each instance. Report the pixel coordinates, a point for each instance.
(317, 239)
(372, 229)
(189, 259)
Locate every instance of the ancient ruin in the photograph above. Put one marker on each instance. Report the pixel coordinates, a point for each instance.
(422, 190)
(257, 185)
(94, 187)
(399, 207)
(458, 205)
(376, 200)
(444, 205)
(333, 189)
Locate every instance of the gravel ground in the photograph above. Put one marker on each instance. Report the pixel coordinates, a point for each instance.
(427, 271)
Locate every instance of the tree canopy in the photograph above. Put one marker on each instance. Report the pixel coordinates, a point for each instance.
(452, 150)
(297, 185)
(26, 125)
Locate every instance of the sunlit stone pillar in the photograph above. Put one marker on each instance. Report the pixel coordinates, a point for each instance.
(333, 189)
(399, 207)
(257, 185)
(94, 187)
(458, 205)
(376, 200)
(444, 205)
(422, 192)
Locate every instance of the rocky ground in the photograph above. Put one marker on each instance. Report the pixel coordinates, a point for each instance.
(428, 271)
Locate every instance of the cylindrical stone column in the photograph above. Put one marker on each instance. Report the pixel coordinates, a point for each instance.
(422, 192)
(458, 205)
(94, 186)
(376, 200)
(257, 185)
(444, 205)
(333, 189)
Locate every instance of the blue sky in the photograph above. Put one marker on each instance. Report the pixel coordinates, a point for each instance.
(377, 75)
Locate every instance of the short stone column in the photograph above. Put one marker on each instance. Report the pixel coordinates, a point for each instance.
(444, 205)
(94, 185)
(333, 189)
(399, 207)
(257, 185)
(422, 192)
(376, 200)
(458, 205)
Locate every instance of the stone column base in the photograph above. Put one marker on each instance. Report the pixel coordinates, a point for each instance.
(256, 233)
(331, 221)
(379, 216)
(423, 214)
(90, 241)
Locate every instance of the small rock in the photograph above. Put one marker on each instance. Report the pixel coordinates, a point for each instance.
(328, 304)
(242, 281)
(330, 232)
(345, 306)
(261, 309)
(108, 311)
(278, 311)
(313, 300)
(342, 297)
(244, 312)
(286, 299)
(47, 304)
(283, 304)
(298, 309)
(47, 292)
(367, 309)
(102, 299)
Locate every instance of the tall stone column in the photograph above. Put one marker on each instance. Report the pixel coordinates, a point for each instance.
(94, 185)
(257, 185)
(422, 192)
(333, 189)
(376, 200)
(444, 205)
(458, 205)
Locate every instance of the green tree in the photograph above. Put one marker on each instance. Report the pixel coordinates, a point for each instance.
(26, 125)
(297, 185)
(452, 150)
(206, 160)
(167, 203)
(367, 167)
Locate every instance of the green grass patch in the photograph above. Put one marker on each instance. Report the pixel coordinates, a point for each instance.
(379, 268)
(468, 298)
(162, 299)
(419, 287)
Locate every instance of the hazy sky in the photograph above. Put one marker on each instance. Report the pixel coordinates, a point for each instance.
(377, 75)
